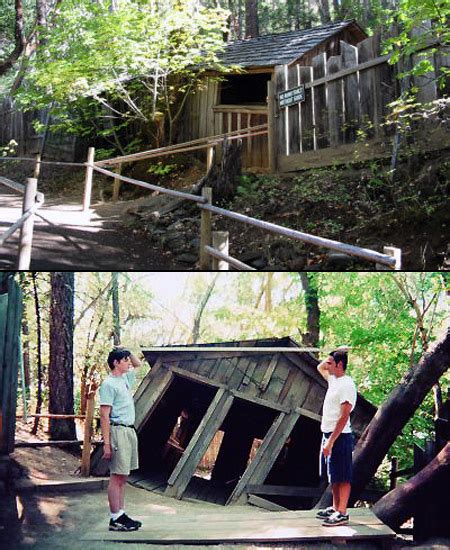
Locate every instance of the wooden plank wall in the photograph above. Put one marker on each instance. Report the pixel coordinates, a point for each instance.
(10, 327)
(324, 128)
(17, 125)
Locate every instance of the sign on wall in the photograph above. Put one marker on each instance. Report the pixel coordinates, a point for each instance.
(291, 97)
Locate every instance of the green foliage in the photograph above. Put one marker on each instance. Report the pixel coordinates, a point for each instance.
(9, 149)
(161, 169)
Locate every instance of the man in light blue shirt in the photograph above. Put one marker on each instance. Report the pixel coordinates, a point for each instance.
(119, 436)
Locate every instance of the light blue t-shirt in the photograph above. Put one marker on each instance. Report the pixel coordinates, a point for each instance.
(116, 391)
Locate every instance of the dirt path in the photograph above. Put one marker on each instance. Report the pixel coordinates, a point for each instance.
(65, 238)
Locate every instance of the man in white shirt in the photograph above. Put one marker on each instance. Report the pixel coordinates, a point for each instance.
(337, 441)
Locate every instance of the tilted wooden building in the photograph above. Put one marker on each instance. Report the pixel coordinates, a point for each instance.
(240, 99)
(264, 402)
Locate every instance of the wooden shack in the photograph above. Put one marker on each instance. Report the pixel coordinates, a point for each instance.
(261, 399)
(10, 326)
(240, 98)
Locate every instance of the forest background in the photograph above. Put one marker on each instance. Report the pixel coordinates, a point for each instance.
(389, 320)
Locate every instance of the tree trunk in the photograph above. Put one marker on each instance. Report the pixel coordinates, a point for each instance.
(37, 309)
(60, 372)
(393, 415)
(201, 308)
(20, 40)
(400, 504)
(324, 11)
(115, 306)
(309, 283)
(251, 19)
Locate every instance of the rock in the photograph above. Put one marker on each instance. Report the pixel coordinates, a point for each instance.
(176, 226)
(297, 264)
(250, 256)
(187, 258)
(259, 263)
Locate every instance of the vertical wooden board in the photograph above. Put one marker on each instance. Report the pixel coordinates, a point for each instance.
(351, 92)
(388, 93)
(199, 443)
(426, 84)
(228, 369)
(277, 382)
(272, 127)
(206, 367)
(335, 103)
(248, 375)
(308, 130)
(150, 398)
(294, 123)
(442, 61)
(366, 51)
(238, 374)
(10, 364)
(254, 386)
(280, 86)
(315, 398)
(269, 372)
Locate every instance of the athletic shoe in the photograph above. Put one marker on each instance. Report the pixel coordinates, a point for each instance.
(122, 523)
(135, 521)
(336, 519)
(325, 512)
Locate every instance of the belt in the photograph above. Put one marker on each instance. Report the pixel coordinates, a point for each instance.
(123, 425)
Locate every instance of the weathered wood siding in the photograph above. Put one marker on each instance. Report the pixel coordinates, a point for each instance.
(279, 381)
(344, 119)
(18, 126)
(10, 326)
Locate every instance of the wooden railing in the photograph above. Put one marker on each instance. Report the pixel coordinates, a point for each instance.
(32, 201)
(214, 245)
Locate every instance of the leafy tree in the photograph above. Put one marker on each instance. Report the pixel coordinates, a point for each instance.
(133, 63)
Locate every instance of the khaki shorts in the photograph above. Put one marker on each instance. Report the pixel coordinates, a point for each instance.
(124, 446)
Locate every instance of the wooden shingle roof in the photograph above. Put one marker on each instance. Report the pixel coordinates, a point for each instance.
(280, 49)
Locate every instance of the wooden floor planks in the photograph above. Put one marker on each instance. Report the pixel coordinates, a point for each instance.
(251, 526)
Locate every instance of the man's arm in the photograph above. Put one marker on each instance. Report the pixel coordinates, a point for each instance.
(105, 411)
(323, 368)
(346, 409)
(135, 361)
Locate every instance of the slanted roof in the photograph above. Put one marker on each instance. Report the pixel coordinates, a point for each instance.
(281, 49)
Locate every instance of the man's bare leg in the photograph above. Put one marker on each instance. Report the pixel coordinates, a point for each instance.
(336, 495)
(344, 490)
(116, 489)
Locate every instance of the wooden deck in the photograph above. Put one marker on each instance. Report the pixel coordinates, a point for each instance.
(229, 526)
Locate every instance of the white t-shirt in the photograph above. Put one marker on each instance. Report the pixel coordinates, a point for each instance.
(340, 390)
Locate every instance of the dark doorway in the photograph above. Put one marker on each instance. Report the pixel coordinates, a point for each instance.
(244, 89)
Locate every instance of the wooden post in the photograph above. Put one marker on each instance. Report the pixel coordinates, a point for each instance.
(209, 158)
(88, 179)
(205, 232)
(116, 188)
(220, 241)
(86, 454)
(37, 166)
(272, 137)
(395, 253)
(26, 231)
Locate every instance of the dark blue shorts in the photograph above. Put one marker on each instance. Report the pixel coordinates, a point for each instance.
(338, 467)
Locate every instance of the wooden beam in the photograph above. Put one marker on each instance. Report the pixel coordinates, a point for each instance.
(199, 443)
(265, 504)
(151, 396)
(268, 374)
(255, 349)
